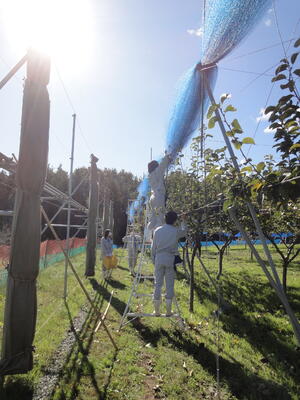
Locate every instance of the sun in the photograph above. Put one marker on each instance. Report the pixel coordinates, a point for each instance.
(62, 29)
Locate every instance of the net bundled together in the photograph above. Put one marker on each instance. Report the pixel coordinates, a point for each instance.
(226, 24)
(143, 190)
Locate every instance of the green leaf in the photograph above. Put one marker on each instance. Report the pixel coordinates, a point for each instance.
(273, 117)
(295, 146)
(278, 77)
(260, 166)
(248, 140)
(289, 85)
(236, 125)
(247, 169)
(297, 43)
(224, 97)
(211, 110)
(297, 72)
(229, 133)
(269, 109)
(257, 185)
(212, 122)
(294, 57)
(290, 123)
(281, 68)
(226, 204)
(285, 99)
(294, 130)
(237, 144)
(229, 108)
(287, 114)
(284, 60)
(275, 125)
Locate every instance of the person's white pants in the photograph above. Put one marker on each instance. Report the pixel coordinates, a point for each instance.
(167, 273)
(157, 210)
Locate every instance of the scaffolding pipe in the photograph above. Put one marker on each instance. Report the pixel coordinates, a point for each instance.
(13, 71)
(69, 205)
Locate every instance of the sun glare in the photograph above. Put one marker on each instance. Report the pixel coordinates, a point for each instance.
(60, 28)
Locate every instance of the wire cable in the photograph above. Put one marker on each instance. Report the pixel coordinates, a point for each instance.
(259, 76)
(261, 49)
(278, 29)
(73, 109)
(259, 121)
(245, 72)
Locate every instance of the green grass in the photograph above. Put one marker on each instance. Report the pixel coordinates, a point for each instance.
(257, 351)
(52, 322)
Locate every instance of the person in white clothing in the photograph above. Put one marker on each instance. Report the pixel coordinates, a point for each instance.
(106, 250)
(163, 250)
(158, 192)
(133, 244)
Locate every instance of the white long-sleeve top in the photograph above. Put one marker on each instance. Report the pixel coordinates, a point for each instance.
(165, 244)
(106, 247)
(156, 178)
(133, 242)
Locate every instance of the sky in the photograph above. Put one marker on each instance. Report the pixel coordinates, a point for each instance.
(116, 64)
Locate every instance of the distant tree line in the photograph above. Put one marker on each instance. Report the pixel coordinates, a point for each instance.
(118, 187)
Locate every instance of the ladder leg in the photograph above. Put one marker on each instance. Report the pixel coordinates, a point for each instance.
(181, 322)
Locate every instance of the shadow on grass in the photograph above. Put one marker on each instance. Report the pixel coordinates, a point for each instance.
(241, 383)
(122, 268)
(116, 284)
(253, 303)
(118, 304)
(77, 363)
(16, 390)
(21, 389)
(106, 386)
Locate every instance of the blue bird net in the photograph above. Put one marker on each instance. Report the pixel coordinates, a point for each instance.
(143, 190)
(226, 24)
(191, 101)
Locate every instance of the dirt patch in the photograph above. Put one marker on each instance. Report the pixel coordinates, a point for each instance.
(152, 383)
(47, 383)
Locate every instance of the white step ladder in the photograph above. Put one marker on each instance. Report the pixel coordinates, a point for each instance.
(141, 277)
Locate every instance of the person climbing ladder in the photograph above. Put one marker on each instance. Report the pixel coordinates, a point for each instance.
(158, 191)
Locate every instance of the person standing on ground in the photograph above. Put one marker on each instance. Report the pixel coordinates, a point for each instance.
(163, 250)
(106, 251)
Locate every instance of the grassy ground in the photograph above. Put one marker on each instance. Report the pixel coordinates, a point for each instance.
(52, 323)
(258, 356)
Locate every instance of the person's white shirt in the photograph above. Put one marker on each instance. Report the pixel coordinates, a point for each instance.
(156, 177)
(133, 242)
(165, 244)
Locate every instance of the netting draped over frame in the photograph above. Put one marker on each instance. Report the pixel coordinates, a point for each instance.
(92, 219)
(20, 305)
(227, 22)
(187, 110)
(143, 190)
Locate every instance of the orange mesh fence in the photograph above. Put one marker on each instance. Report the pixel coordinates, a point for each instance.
(50, 253)
(4, 255)
(50, 247)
